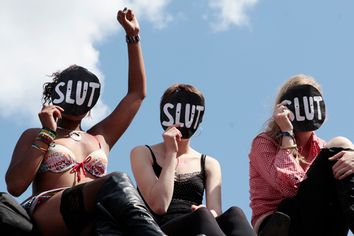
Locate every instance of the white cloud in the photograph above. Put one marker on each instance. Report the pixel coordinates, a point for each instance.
(230, 13)
(38, 38)
(154, 11)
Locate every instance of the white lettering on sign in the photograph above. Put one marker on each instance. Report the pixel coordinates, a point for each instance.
(191, 114)
(80, 95)
(58, 91)
(94, 86)
(309, 106)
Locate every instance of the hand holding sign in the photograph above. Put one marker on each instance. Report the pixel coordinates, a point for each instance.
(171, 137)
(281, 116)
(49, 116)
(129, 22)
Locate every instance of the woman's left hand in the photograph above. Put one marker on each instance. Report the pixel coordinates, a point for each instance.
(129, 22)
(344, 166)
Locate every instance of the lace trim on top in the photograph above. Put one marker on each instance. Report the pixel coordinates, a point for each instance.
(186, 176)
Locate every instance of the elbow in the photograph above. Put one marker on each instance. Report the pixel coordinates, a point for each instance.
(13, 190)
(14, 187)
(141, 96)
(159, 209)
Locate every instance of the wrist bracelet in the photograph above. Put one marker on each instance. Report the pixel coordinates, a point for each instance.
(39, 148)
(132, 39)
(287, 134)
(46, 136)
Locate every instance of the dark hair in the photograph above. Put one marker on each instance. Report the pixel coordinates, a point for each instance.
(184, 87)
(48, 87)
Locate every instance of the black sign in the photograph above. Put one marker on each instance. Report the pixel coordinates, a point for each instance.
(77, 91)
(184, 109)
(308, 110)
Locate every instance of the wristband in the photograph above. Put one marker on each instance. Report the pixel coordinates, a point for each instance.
(287, 134)
(132, 39)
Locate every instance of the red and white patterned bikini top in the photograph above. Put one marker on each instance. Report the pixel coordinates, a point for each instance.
(59, 159)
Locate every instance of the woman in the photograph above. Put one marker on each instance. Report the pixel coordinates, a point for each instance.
(298, 186)
(172, 176)
(67, 166)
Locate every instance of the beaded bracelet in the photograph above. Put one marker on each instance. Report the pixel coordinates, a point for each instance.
(50, 132)
(46, 136)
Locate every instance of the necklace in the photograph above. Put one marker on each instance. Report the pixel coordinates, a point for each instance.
(73, 134)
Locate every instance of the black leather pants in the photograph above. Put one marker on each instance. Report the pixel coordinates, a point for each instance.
(121, 211)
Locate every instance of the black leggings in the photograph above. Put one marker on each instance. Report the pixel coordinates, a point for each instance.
(233, 222)
(321, 204)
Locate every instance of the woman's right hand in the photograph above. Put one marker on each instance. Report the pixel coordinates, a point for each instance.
(281, 116)
(129, 22)
(171, 137)
(49, 116)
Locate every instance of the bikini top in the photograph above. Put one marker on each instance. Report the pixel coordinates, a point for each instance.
(60, 159)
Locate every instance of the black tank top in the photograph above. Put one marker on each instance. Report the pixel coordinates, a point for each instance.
(188, 189)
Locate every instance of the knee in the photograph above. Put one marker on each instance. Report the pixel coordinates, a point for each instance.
(203, 213)
(235, 211)
(115, 179)
(118, 177)
(339, 141)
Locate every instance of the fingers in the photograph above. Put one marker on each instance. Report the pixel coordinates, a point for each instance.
(49, 115)
(196, 207)
(342, 173)
(344, 165)
(281, 108)
(127, 19)
(125, 15)
(336, 156)
(282, 116)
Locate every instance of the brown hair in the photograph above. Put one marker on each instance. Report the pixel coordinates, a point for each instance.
(184, 87)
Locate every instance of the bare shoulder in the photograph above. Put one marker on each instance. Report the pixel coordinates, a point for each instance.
(211, 160)
(141, 149)
(140, 153)
(211, 163)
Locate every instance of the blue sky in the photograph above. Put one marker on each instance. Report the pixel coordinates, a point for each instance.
(237, 52)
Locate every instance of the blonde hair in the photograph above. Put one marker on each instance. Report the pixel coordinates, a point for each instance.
(272, 129)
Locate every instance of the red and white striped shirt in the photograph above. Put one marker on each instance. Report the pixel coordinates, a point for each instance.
(275, 174)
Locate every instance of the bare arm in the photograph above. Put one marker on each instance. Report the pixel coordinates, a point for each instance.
(213, 185)
(112, 127)
(24, 163)
(157, 192)
(26, 159)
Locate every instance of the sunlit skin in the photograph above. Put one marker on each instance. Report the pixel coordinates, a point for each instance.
(26, 160)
